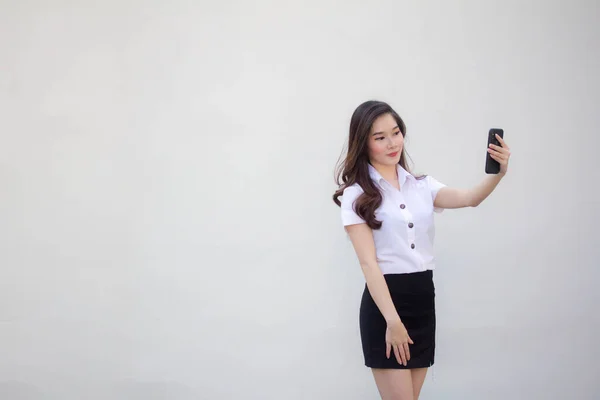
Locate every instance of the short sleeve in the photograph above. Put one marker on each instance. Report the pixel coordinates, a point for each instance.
(434, 186)
(349, 196)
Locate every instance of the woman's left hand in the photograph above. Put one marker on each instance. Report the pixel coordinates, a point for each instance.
(500, 154)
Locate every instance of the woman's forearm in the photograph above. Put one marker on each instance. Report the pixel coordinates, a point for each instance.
(380, 292)
(481, 191)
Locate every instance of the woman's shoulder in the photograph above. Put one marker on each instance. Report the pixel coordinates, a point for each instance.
(432, 183)
(426, 181)
(353, 190)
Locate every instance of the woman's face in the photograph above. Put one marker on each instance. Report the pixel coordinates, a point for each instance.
(385, 141)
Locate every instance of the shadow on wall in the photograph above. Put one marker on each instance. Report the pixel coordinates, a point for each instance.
(126, 390)
(135, 390)
(14, 390)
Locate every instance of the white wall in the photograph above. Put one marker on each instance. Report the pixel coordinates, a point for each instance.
(167, 229)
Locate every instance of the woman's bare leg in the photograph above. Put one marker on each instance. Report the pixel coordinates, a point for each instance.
(418, 377)
(394, 384)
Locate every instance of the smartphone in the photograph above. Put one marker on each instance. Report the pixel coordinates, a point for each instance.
(492, 166)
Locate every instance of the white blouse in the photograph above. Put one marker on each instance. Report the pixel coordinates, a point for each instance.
(404, 243)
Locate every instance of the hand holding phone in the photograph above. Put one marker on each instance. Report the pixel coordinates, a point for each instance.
(492, 166)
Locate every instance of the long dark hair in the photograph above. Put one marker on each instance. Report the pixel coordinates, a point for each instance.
(355, 167)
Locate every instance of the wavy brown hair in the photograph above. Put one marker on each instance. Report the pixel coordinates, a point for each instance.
(354, 168)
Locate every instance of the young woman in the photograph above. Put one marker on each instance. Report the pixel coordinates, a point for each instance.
(388, 215)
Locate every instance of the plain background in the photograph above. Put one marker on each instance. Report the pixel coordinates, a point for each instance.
(166, 170)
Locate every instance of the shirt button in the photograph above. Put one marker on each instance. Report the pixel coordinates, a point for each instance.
(402, 206)
(412, 246)
(410, 225)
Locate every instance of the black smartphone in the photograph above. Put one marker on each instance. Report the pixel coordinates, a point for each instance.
(492, 166)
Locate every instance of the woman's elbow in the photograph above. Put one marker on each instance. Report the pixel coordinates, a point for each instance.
(472, 200)
(369, 266)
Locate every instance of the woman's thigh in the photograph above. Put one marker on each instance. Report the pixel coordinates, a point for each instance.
(394, 384)
(418, 377)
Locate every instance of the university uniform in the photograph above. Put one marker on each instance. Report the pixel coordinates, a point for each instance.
(404, 249)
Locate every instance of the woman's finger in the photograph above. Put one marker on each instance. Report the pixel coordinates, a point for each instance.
(499, 148)
(410, 340)
(502, 142)
(497, 154)
(497, 158)
(402, 354)
(388, 347)
(406, 351)
(398, 354)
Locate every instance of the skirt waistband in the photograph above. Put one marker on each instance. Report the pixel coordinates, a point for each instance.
(415, 283)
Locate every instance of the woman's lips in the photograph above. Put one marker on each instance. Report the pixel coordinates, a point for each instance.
(393, 154)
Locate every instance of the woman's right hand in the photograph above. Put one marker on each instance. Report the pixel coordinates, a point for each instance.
(396, 338)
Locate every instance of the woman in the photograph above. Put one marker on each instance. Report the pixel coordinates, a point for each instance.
(388, 215)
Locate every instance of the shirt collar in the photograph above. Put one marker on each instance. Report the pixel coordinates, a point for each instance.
(403, 175)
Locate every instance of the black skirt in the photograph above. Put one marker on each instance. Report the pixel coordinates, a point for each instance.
(413, 295)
